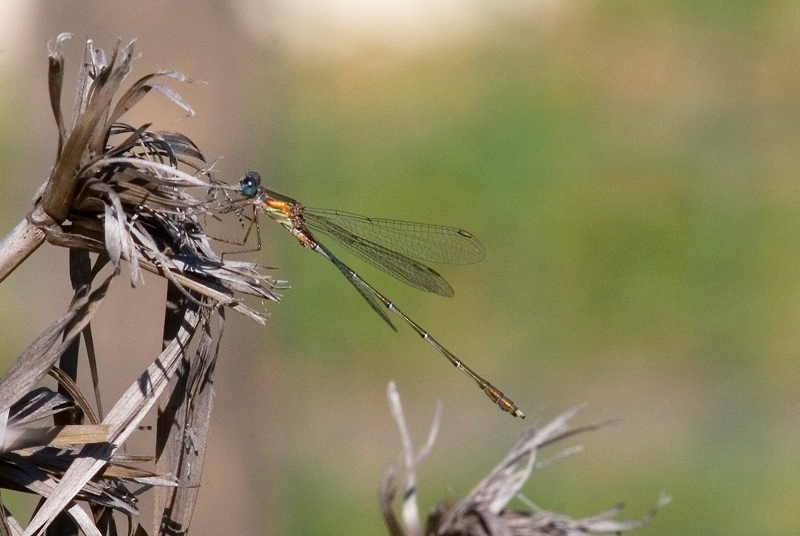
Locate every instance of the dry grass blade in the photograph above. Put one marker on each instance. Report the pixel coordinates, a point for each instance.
(123, 419)
(10, 526)
(84, 521)
(410, 510)
(506, 480)
(188, 412)
(56, 81)
(18, 438)
(69, 387)
(36, 360)
(141, 88)
(38, 404)
(38, 470)
(484, 512)
(386, 494)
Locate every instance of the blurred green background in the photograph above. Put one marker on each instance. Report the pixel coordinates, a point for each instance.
(632, 170)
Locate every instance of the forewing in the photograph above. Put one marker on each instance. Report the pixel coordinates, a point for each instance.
(394, 263)
(420, 241)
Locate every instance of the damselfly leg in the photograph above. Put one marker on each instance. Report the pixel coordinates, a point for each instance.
(233, 222)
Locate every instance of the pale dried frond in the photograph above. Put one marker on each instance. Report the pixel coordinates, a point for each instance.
(484, 511)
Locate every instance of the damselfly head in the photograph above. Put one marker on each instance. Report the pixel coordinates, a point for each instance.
(250, 183)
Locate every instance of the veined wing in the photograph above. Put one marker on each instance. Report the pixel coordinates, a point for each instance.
(404, 268)
(420, 241)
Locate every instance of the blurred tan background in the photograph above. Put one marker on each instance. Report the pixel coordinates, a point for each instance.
(632, 170)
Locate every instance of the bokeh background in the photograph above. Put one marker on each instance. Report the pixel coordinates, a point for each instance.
(632, 169)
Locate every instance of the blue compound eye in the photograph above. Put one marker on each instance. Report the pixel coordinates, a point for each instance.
(250, 183)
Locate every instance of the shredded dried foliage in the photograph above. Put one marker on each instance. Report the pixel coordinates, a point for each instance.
(484, 511)
(118, 195)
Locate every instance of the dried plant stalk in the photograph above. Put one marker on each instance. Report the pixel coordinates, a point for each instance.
(131, 196)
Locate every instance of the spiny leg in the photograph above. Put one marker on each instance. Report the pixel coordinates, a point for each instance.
(249, 223)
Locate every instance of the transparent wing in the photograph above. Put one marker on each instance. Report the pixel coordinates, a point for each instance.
(394, 263)
(420, 241)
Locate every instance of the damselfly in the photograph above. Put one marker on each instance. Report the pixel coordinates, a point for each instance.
(396, 247)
